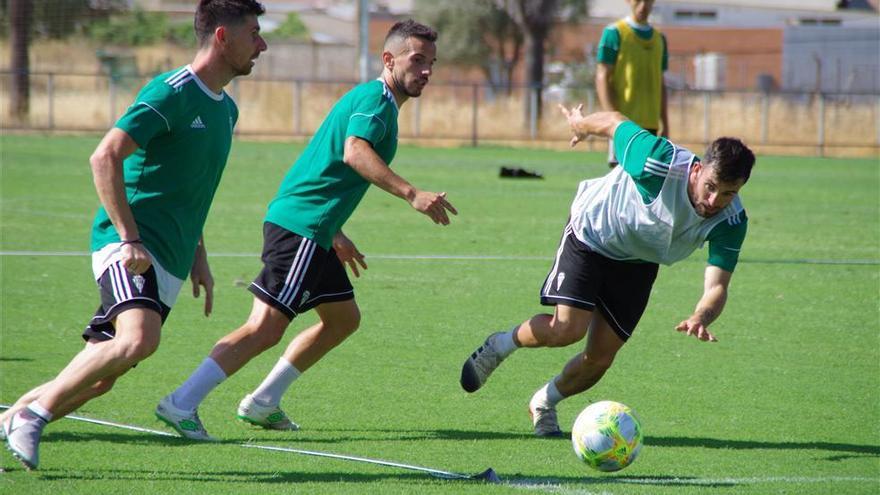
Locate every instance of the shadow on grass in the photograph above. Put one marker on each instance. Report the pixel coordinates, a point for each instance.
(715, 443)
(228, 476)
(293, 477)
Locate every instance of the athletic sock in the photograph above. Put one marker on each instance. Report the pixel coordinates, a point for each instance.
(548, 395)
(504, 343)
(277, 382)
(208, 375)
(40, 411)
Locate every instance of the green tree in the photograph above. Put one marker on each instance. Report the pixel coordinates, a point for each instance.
(292, 28)
(536, 17)
(476, 34)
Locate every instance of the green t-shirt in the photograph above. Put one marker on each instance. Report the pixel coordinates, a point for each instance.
(609, 44)
(184, 133)
(647, 158)
(320, 191)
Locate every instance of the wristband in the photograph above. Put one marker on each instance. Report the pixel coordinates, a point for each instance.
(135, 241)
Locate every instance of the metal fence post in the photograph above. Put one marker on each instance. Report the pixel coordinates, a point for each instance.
(591, 102)
(50, 88)
(474, 95)
(533, 111)
(112, 101)
(820, 145)
(417, 117)
(235, 98)
(877, 120)
(297, 107)
(765, 110)
(707, 100)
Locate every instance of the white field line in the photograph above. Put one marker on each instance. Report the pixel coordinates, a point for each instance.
(468, 257)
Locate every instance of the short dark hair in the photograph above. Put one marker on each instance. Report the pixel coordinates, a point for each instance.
(731, 159)
(213, 13)
(409, 29)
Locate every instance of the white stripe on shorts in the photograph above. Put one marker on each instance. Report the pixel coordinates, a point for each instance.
(121, 287)
(552, 275)
(297, 271)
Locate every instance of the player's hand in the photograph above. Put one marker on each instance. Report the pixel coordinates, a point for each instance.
(434, 205)
(574, 116)
(348, 253)
(694, 326)
(135, 258)
(200, 276)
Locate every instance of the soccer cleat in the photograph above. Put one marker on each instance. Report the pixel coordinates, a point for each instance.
(268, 417)
(544, 420)
(186, 423)
(480, 365)
(22, 433)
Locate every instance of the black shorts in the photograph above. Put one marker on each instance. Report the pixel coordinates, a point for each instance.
(122, 290)
(298, 274)
(585, 279)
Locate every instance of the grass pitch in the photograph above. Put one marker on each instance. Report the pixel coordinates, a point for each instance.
(788, 400)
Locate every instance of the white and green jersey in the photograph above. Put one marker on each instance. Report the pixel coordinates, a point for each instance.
(641, 210)
(184, 132)
(320, 191)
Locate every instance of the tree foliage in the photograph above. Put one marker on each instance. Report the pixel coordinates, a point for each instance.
(292, 28)
(475, 34)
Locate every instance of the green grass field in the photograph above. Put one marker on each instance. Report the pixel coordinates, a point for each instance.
(788, 400)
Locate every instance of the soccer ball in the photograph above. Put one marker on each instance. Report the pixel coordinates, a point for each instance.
(607, 436)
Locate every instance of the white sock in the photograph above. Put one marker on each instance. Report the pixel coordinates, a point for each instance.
(277, 382)
(208, 375)
(504, 343)
(548, 395)
(40, 411)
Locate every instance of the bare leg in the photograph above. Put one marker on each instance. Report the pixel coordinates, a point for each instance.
(587, 368)
(338, 321)
(566, 326)
(137, 336)
(96, 390)
(263, 329)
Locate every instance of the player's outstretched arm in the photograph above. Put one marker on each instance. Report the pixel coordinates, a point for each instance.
(200, 276)
(360, 156)
(716, 281)
(598, 123)
(106, 163)
(348, 253)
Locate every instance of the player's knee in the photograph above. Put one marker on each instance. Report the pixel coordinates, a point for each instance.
(266, 334)
(102, 387)
(141, 349)
(598, 362)
(352, 321)
(565, 333)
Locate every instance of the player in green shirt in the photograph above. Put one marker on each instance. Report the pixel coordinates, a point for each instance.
(304, 249)
(659, 206)
(155, 173)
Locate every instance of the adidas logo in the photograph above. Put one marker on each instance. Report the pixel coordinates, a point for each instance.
(197, 123)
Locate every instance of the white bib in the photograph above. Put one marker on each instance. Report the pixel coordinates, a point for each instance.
(609, 216)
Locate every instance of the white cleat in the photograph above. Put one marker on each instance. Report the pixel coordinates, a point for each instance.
(186, 423)
(268, 417)
(480, 365)
(22, 432)
(544, 420)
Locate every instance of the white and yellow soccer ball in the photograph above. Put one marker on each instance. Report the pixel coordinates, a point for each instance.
(607, 436)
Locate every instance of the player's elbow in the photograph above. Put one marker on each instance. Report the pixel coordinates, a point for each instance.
(352, 151)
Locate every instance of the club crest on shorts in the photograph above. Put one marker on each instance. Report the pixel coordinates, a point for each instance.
(559, 279)
(305, 297)
(139, 282)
